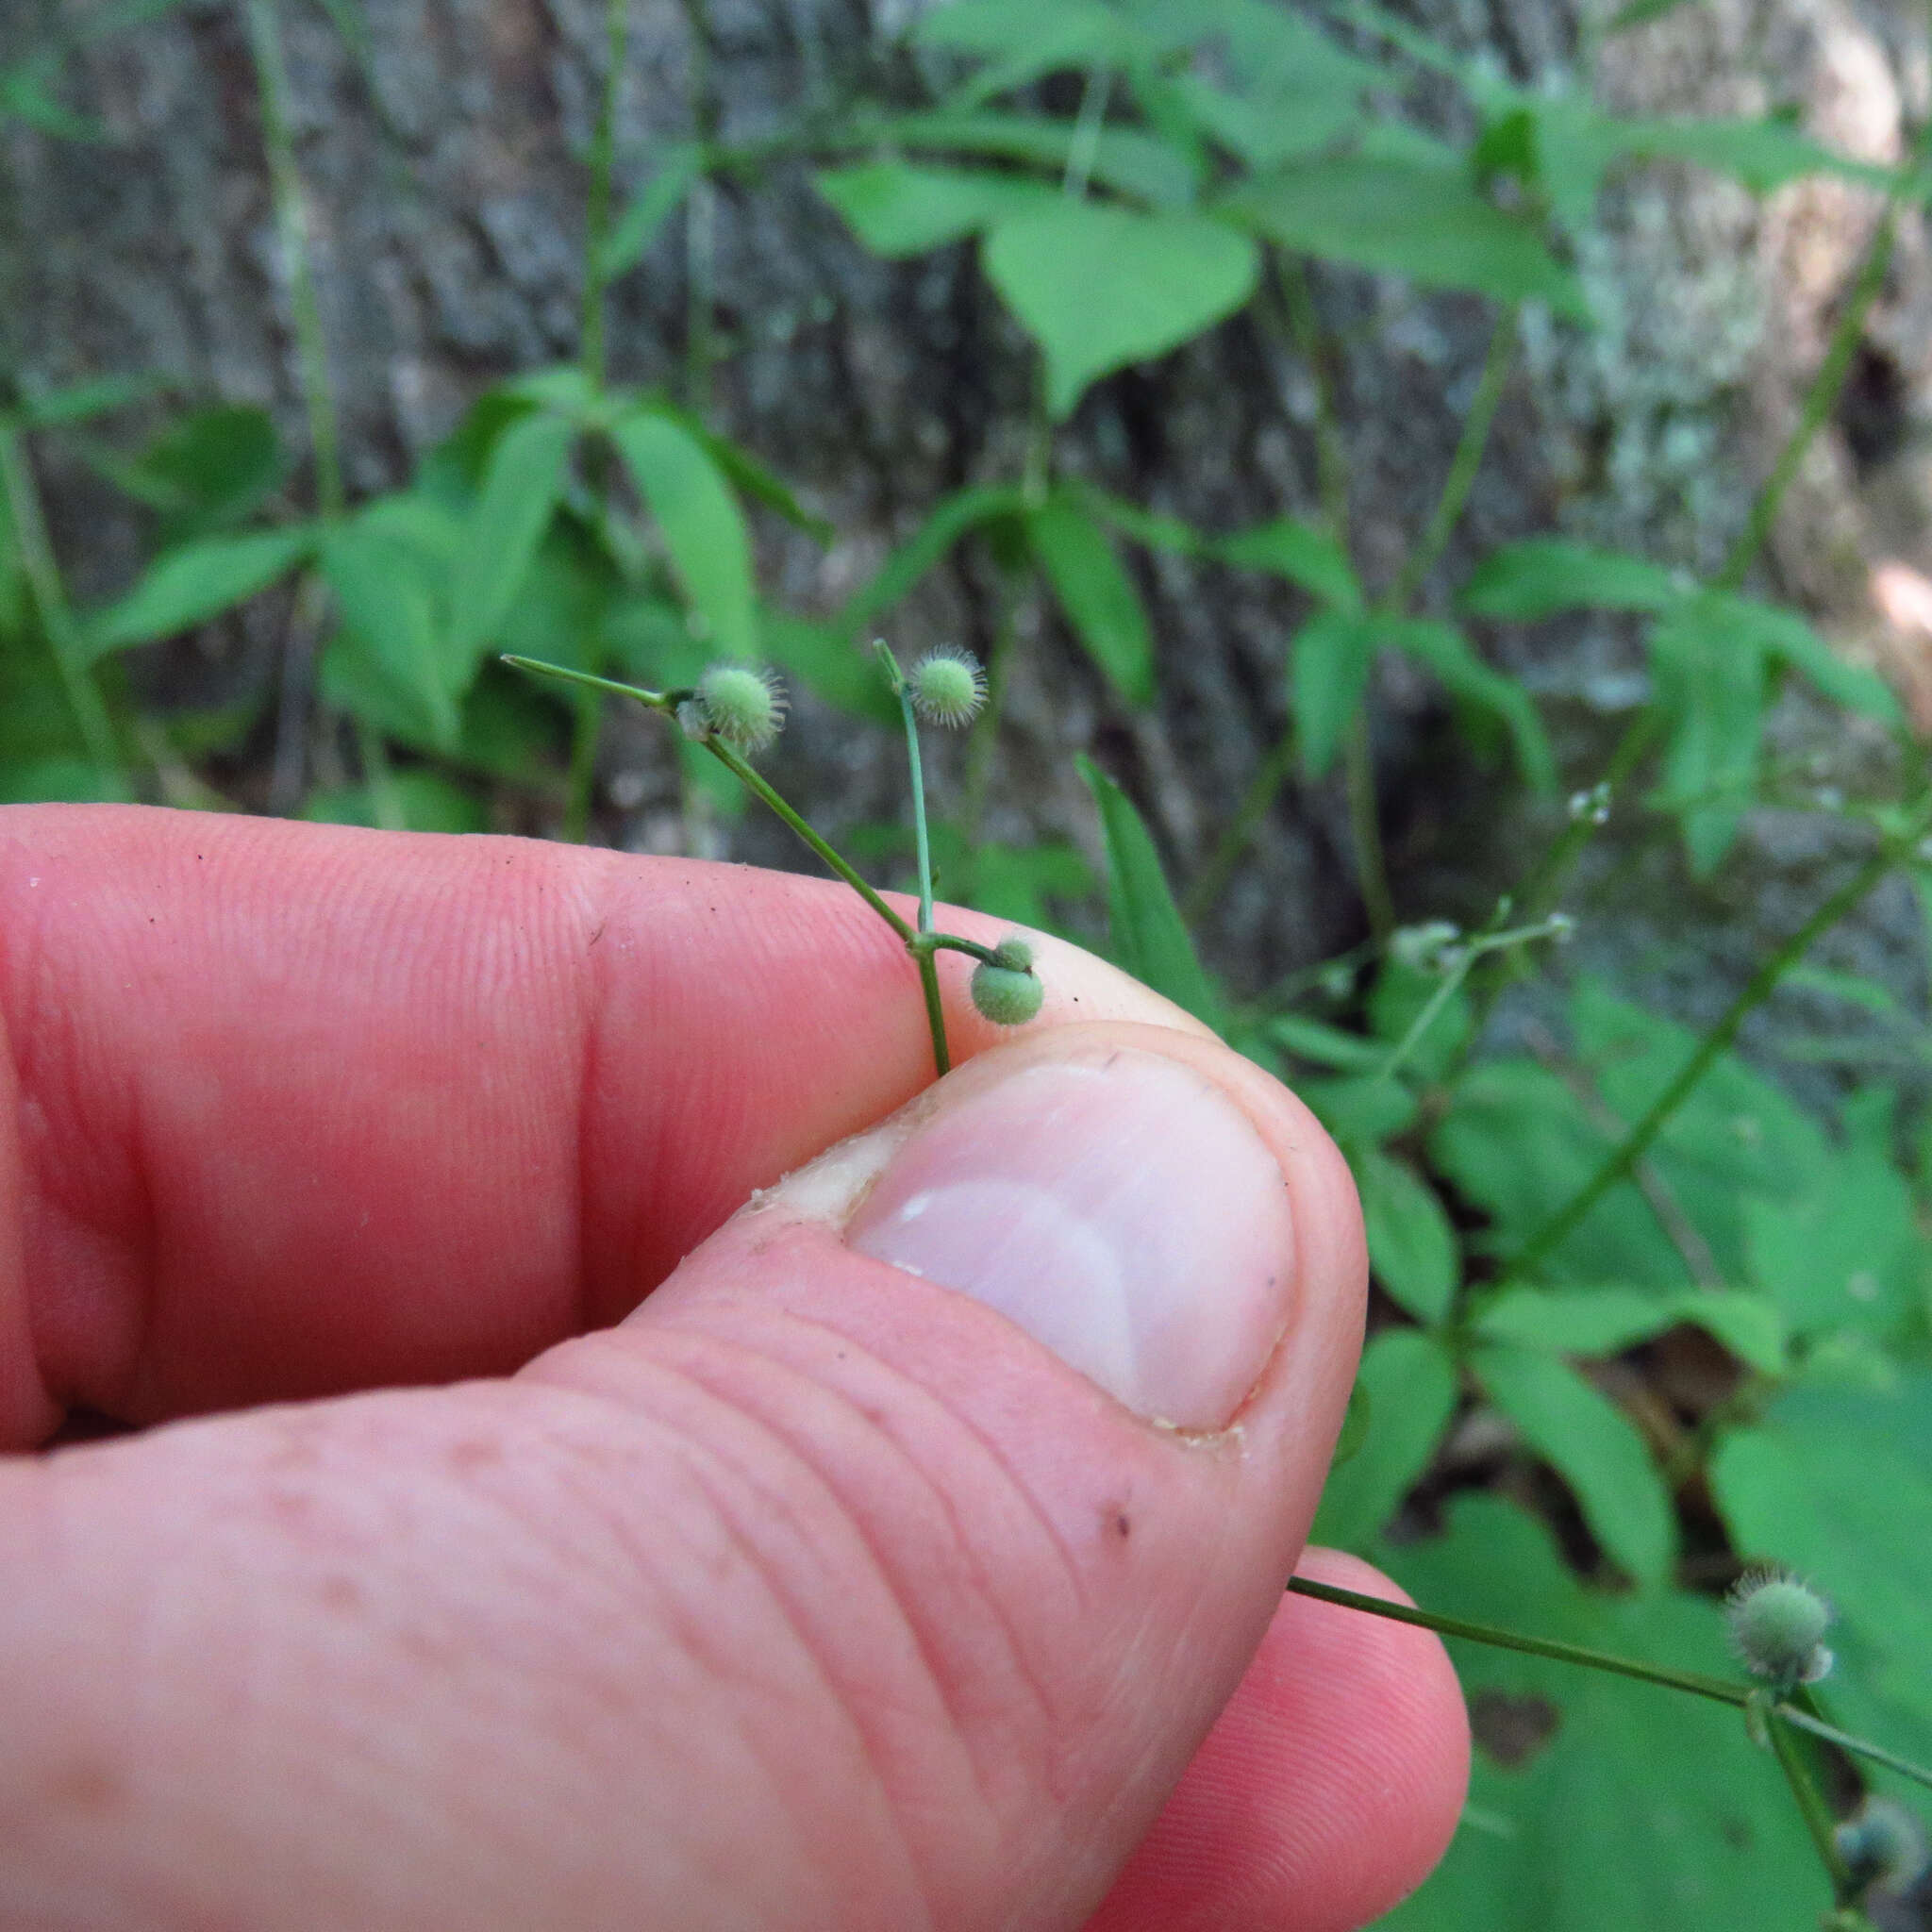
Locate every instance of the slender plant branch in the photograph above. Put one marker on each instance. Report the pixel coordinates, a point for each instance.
(597, 211)
(1617, 1165)
(1304, 330)
(1695, 1683)
(1794, 1759)
(700, 213)
(1820, 399)
(1365, 826)
(1463, 466)
(58, 623)
(1256, 802)
(292, 228)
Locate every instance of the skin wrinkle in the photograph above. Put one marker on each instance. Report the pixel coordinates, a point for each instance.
(903, 1594)
(723, 1482)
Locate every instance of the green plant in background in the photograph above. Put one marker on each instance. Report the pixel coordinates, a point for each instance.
(1545, 1218)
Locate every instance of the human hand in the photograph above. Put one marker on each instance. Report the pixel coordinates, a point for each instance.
(800, 1591)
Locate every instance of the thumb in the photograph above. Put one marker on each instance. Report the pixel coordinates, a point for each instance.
(1017, 1408)
(883, 1570)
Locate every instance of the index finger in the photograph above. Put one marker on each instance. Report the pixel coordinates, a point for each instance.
(299, 1108)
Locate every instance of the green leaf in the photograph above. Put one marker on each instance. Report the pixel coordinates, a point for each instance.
(186, 586)
(1411, 1245)
(1843, 1250)
(1023, 43)
(1709, 676)
(952, 519)
(1149, 938)
(702, 524)
(1466, 677)
(1306, 557)
(898, 209)
(1099, 287)
(1359, 1111)
(825, 658)
(386, 597)
(1410, 1384)
(1325, 1046)
(1138, 164)
(522, 481)
(1590, 1442)
(1605, 1321)
(211, 469)
(427, 800)
(1328, 674)
(1836, 1482)
(1787, 638)
(1546, 575)
(1428, 222)
(1763, 155)
(1395, 1004)
(1610, 1805)
(1096, 593)
(631, 234)
(76, 402)
(752, 478)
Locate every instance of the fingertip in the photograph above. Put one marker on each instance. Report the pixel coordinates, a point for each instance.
(1327, 1791)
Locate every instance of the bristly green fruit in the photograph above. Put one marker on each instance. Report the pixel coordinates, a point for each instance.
(946, 688)
(745, 707)
(1882, 1845)
(1777, 1625)
(1006, 989)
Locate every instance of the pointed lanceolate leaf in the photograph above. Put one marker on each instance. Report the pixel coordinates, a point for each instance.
(1328, 673)
(522, 482)
(635, 228)
(1149, 938)
(702, 524)
(1291, 549)
(1410, 1384)
(1406, 217)
(1098, 286)
(1546, 575)
(1096, 593)
(898, 210)
(384, 596)
(1590, 1442)
(1465, 677)
(190, 585)
(1411, 1245)
(1708, 675)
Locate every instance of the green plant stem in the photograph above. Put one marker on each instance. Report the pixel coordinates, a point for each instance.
(1463, 466)
(292, 228)
(922, 843)
(1365, 826)
(1695, 1683)
(1717, 1689)
(386, 806)
(1819, 399)
(700, 208)
(1858, 1747)
(1794, 1759)
(1617, 1165)
(1085, 144)
(597, 211)
(42, 569)
(986, 728)
(1304, 331)
(1257, 801)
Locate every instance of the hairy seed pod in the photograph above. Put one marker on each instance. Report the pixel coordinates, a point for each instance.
(1882, 1845)
(745, 708)
(1776, 1622)
(946, 688)
(1005, 990)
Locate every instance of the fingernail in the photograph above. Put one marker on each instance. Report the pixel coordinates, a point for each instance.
(1121, 1209)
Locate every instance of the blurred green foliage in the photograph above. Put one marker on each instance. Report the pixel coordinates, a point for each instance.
(1219, 145)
